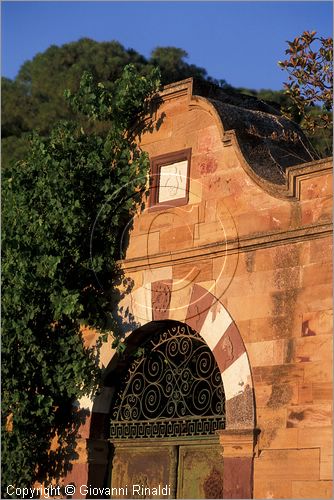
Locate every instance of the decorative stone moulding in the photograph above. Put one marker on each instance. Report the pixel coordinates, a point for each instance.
(273, 150)
(239, 442)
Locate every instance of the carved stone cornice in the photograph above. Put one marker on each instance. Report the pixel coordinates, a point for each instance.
(176, 90)
(219, 249)
(238, 443)
(299, 173)
(294, 175)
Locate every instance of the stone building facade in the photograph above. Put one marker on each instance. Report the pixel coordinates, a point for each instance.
(235, 243)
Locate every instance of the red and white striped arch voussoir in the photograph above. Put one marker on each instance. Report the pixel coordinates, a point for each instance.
(206, 315)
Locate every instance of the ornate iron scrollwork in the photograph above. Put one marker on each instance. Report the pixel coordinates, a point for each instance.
(174, 389)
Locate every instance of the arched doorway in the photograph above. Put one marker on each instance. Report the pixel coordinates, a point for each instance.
(147, 307)
(168, 404)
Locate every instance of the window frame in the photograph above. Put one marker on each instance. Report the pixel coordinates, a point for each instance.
(156, 164)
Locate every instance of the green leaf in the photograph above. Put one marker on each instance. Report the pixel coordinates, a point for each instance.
(62, 214)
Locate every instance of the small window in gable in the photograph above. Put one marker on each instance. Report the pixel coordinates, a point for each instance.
(169, 182)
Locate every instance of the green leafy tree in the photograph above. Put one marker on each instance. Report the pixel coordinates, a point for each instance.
(173, 67)
(310, 84)
(63, 208)
(34, 100)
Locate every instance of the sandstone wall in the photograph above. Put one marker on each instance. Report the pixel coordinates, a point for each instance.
(265, 253)
(275, 283)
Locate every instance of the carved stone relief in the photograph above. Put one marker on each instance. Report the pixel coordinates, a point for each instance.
(161, 296)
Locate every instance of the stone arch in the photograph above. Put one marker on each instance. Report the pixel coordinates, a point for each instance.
(202, 311)
(205, 314)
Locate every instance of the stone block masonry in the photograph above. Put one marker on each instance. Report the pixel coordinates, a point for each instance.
(246, 262)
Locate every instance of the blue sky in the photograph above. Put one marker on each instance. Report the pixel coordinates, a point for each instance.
(240, 42)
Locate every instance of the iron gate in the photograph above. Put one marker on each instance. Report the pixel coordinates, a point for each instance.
(165, 415)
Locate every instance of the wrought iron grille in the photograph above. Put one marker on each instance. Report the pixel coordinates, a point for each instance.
(174, 389)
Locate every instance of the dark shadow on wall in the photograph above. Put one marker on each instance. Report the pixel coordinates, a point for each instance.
(121, 322)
